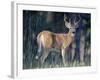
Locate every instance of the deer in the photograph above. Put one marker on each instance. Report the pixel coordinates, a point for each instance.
(48, 40)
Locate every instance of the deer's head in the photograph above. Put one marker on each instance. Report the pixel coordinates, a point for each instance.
(72, 24)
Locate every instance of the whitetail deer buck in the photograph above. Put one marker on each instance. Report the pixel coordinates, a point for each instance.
(47, 40)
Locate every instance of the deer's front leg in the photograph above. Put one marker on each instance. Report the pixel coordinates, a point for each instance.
(63, 56)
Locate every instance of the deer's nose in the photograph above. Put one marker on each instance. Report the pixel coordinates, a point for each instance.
(73, 32)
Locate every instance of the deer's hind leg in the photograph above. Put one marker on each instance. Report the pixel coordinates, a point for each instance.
(44, 56)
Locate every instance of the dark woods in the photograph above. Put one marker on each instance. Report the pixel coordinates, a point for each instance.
(79, 52)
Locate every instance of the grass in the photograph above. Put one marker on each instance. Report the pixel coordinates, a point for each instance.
(60, 65)
(51, 63)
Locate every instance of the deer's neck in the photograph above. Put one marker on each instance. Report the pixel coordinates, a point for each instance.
(67, 39)
(69, 36)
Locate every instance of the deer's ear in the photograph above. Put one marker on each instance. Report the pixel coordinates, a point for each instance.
(66, 20)
(67, 24)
